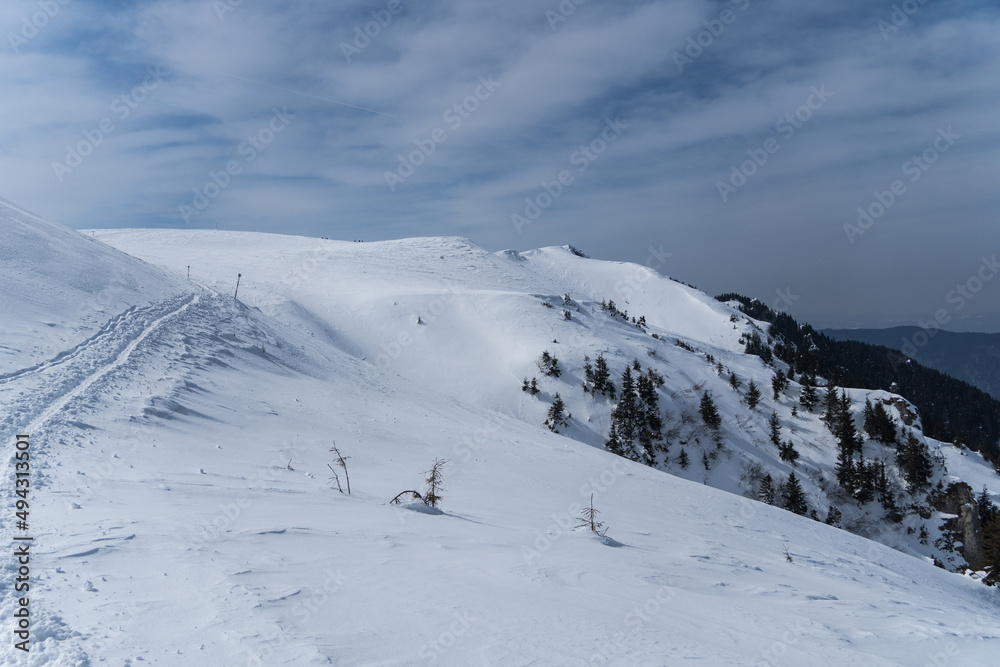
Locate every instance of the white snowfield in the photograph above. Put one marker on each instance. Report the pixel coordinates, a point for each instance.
(181, 506)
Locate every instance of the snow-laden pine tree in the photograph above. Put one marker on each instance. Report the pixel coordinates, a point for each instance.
(557, 415)
(794, 496)
(709, 412)
(753, 395)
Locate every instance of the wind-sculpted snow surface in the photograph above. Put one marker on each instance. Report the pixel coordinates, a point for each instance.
(60, 287)
(184, 516)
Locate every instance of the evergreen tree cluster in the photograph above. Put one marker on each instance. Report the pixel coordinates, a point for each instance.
(788, 495)
(756, 345)
(879, 426)
(610, 307)
(597, 377)
(914, 462)
(989, 517)
(786, 450)
(683, 345)
(549, 365)
(636, 423)
(864, 479)
(951, 410)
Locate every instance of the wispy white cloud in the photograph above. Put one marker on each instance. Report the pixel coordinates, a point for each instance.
(687, 127)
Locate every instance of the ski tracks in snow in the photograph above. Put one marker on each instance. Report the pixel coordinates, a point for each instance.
(31, 399)
(34, 396)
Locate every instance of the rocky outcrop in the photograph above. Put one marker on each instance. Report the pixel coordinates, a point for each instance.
(959, 500)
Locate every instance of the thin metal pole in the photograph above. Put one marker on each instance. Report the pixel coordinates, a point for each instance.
(238, 276)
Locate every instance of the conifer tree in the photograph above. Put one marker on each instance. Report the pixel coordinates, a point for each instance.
(869, 412)
(991, 551)
(915, 462)
(833, 517)
(808, 398)
(892, 511)
(625, 413)
(710, 413)
(883, 491)
(655, 377)
(753, 395)
(831, 407)
(987, 509)
(650, 421)
(779, 383)
(766, 492)
(734, 382)
(557, 416)
(588, 375)
(865, 476)
(846, 432)
(794, 496)
(683, 459)
(533, 387)
(602, 378)
(878, 424)
(549, 365)
(614, 444)
(755, 345)
(845, 470)
(788, 453)
(774, 426)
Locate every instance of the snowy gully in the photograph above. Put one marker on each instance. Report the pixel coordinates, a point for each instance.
(22, 543)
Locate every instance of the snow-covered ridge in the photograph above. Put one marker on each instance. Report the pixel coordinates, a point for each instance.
(462, 322)
(184, 513)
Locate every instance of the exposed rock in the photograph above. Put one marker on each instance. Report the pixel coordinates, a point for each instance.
(959, 500)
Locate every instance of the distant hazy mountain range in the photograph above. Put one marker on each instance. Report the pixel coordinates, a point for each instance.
(973, 357)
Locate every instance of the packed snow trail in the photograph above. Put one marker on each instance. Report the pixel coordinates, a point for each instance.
(36, 395)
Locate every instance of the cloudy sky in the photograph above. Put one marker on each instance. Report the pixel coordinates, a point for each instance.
(739, 137)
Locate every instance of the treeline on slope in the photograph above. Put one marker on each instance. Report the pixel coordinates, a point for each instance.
(951, 410)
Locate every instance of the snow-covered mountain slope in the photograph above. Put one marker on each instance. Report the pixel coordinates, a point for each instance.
(183, 514)
(60, 287)
(483, 320)
(457, 320)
